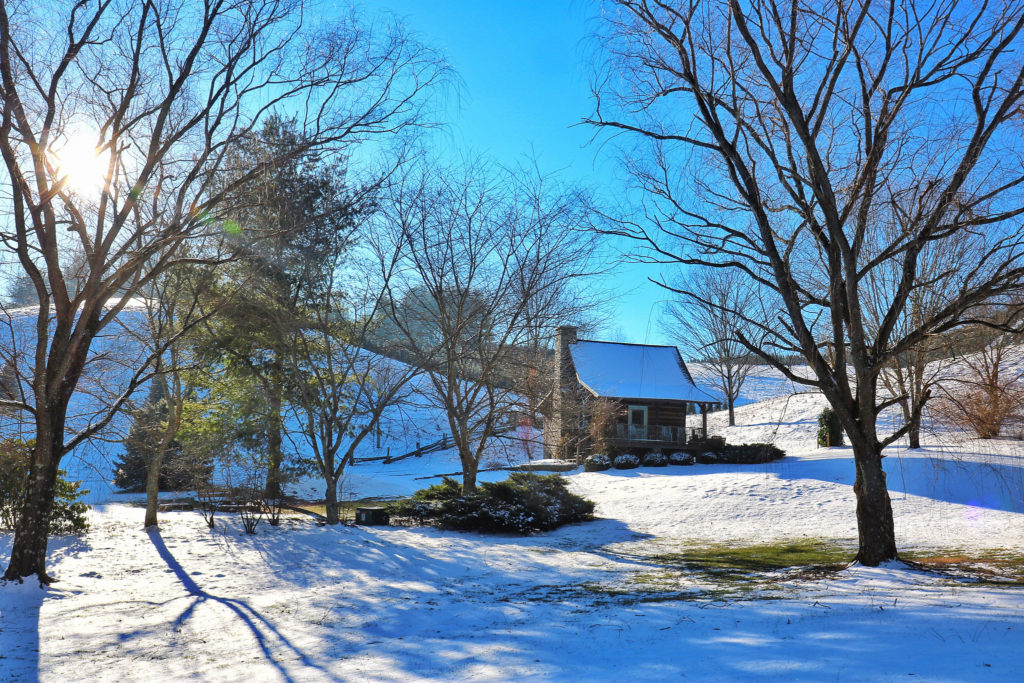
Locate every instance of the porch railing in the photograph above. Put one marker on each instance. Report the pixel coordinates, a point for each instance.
(663, 433)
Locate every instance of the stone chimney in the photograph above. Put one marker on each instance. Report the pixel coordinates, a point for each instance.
(560, 428)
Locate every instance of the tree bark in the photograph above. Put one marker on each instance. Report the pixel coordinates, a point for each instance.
(469, 467)
(331, 499)
(274, 440)
(732, 412)
(28, 555)
(153, 490)
(875, 529)
(914, 435)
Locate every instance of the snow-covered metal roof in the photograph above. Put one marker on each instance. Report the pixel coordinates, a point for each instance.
(636, 371)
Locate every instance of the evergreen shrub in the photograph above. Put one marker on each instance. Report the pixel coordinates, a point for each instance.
(742, 454)
(830, 429)
(69, 513)
(712, 444)
(523, 503)
(597, 463)
(680, 458)
(653, 459)
(626, 461)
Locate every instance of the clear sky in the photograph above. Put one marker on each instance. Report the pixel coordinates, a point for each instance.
(524, 78)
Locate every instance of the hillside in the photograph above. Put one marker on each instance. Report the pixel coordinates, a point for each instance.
(599, 601)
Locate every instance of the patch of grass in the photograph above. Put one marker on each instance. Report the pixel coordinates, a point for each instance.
(734, 572)
(731, 560)
(997, 567)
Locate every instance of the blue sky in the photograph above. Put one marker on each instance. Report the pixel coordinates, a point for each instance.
(524, 84)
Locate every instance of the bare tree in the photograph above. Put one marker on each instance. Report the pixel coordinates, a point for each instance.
(492, 264)
(910, 379)
(708, 320)
(173, 308)
(807, 127)
(113, 107)
(338, 391)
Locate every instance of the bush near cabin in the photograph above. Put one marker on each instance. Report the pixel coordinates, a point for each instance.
(523, 503)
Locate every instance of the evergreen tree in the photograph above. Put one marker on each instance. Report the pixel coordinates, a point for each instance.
(178, 472)
(292, 220)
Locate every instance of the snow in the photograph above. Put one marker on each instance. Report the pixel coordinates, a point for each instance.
(634, 371)
(306, 603)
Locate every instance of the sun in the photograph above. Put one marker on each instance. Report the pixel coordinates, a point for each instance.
(80, 164)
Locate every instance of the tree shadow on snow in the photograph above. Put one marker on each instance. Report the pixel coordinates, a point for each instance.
(992, 485)
(20, 607)
(267, 636)
(406, 602)
(995, 484)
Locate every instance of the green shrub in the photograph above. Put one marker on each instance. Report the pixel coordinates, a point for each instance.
(448, 489)
(597, 463)
(68, 515)
(749, 454)
(830, 429)
(680, 458)
(708, 457)
(653, 459)
(741, 454)
(522, 504)
(626, 461)
(713, 444)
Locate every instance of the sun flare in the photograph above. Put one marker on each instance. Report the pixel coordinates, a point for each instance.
(80, 164)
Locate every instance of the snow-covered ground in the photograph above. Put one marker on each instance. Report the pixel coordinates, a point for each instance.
(307, 603)
(300, 602)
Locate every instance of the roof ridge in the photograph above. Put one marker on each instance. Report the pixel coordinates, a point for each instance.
(650, 346)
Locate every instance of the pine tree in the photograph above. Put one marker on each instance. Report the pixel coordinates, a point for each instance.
(178, 471)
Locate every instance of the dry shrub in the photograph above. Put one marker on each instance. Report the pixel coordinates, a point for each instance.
(602, 415)
(987, 397)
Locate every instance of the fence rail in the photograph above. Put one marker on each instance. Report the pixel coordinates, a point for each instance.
(442, 444)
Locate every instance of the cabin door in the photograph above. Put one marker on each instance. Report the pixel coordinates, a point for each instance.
(637, 423)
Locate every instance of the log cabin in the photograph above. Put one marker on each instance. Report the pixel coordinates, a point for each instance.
(647, 388)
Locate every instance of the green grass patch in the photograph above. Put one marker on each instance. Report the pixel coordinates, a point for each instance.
(766, 557)
(732, 572)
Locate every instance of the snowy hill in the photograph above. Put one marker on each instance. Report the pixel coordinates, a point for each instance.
(118, 352)
(598, 601)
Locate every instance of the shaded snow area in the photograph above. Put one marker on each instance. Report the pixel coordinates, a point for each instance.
(589, 602)
(307, 603)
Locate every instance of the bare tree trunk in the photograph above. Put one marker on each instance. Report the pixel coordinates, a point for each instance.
(469, 468)
(732, 412)
(28, 556)
(153, 488)
(876, 534)
(274, 440)
(331, 499)
(914, 434)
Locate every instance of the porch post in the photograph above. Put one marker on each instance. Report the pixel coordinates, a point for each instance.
(704, 418)
(686, 408)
